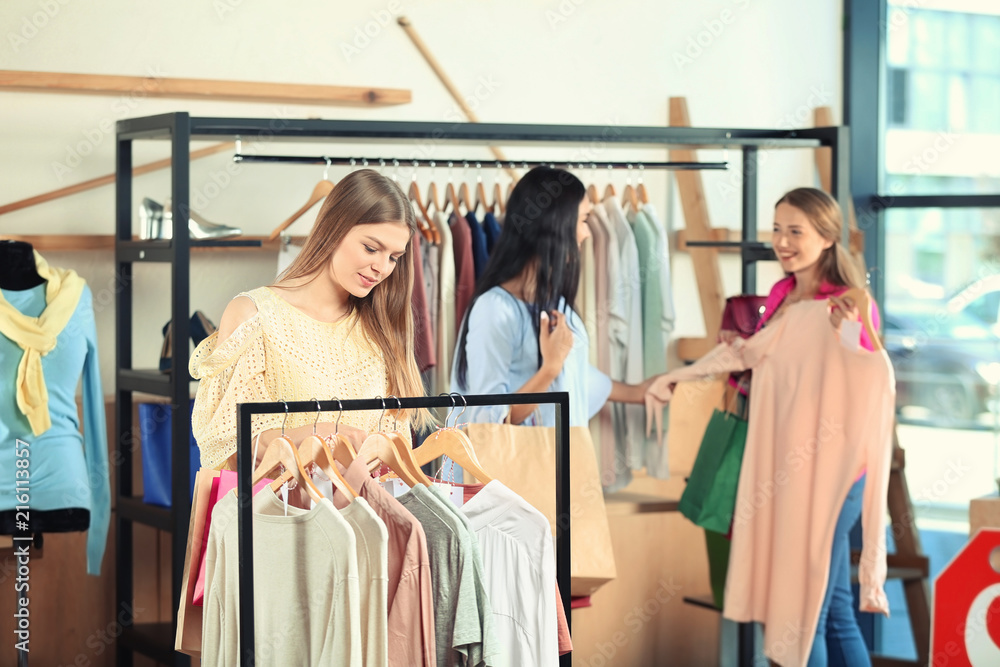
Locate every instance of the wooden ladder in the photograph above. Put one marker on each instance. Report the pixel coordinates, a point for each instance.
(907, 564)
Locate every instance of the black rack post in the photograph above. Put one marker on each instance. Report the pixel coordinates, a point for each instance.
(244, 472)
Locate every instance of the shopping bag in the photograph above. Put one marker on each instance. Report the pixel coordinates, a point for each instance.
(157, 453)
(224, 482)
(189, 616)
(717, 546)
(710, 495)
(523, 458)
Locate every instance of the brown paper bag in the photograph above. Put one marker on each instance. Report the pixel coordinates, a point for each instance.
(524, 459)
(189, 616)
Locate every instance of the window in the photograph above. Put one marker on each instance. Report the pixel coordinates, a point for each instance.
(942, 107)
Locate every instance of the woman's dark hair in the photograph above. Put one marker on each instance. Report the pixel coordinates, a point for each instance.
(539, 231)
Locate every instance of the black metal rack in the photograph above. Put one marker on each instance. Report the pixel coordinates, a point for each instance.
(244, 472)
(180, 128)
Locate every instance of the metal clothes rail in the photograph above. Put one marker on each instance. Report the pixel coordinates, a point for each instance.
(244, 471)
(465, 163)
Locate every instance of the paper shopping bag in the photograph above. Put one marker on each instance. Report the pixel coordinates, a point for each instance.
(189, 616)
(524, 459)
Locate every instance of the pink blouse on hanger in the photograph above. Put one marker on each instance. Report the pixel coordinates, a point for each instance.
(819, 415)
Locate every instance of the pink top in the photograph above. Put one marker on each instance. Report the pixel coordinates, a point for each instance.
(819, 414)
(783, 287)
(410, 602)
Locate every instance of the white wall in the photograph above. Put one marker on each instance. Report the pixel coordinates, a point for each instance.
(760, 64)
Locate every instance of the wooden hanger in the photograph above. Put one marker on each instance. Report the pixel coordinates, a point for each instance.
(609, 191)
(498, 205)
(315, 450)
(640, 189)
(433, 198)
(454, 444)
(628, 194)
(450, 196)
(404, 452)
(481, 199)
(465, 198)
(382, 448)
(319, 193)
(342, 449)
(282, 452)
(424, 224)
(863, 301)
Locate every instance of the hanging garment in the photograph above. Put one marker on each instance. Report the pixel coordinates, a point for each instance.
(604, 259)
(372, 539)
(480, 254)
(431, 254)
(306, 589)
(282, 354)
(649, 453)
(458, 632)
(446, 307)
(587, 300)
(68, 470)
(565, 642)
(819, 415)
(663, 257)
(626, 349)
(502, 354)
(37, 336)
(489, 652)
(519, 561)
(492, 228)
(423, 345)
(409, 601)
(465, 270)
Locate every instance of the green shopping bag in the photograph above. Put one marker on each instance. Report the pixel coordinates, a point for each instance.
(710, 495)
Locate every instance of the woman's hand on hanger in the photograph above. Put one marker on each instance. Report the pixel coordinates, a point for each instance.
(555, 341)
(727, 336)
(842, 308)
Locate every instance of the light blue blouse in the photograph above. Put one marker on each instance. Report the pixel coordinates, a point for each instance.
(67, 469)
(502, 353)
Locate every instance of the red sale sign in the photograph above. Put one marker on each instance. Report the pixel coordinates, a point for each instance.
(966, 620)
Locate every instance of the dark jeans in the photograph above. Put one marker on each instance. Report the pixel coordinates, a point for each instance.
(838, 641)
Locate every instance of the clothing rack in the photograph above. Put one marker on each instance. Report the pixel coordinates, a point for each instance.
(244, 472)
(421, 139)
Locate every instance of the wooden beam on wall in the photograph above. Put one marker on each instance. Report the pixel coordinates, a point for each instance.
(213, 89)
(698, 228)
(108, 179)
(823, 117)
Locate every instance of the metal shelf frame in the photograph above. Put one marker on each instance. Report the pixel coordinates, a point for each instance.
(180, 129)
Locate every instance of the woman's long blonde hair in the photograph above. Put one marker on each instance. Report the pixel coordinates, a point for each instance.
(366, 197)
(835, 264)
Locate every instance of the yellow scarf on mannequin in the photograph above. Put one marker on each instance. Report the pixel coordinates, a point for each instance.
(37, 337)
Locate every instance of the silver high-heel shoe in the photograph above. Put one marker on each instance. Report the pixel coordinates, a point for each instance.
(157, 222)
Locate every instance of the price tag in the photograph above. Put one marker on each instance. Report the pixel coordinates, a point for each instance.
(455, 494)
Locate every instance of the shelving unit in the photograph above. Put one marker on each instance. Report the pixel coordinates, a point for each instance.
(156, 640)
